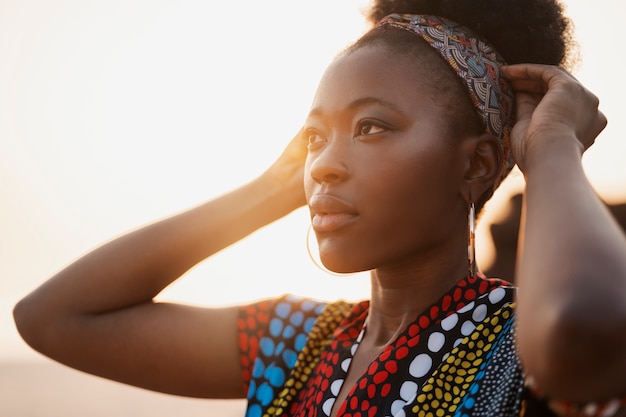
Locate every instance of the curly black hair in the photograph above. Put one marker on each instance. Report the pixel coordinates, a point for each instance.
(523, 31)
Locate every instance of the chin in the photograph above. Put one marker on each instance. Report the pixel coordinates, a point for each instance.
(342, 265)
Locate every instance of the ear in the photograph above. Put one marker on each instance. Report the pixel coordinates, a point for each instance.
(483, 159)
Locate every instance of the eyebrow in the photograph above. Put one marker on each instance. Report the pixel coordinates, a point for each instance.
(360, 102)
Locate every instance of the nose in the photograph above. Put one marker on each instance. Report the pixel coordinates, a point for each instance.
(329, 164)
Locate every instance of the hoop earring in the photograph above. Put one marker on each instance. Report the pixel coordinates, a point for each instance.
(471, 241)
(317, 263)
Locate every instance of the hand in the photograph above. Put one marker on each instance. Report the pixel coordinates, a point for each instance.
(288, 170)
(551, 106)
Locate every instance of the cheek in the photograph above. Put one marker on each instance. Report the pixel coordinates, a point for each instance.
(412, 178)
(412, 198)
(404, 200)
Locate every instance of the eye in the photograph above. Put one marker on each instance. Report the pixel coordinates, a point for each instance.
(369, 127)
(313, 138)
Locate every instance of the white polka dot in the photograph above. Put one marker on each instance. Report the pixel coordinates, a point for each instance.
(479, 313)
(466, 308)
(436, 341)
(408, 391)
(354, 348)
(449, 322)
(467, 328)
(335, 387)
(496, 295)
(458, 341)
(420, 365)
(327, 407)
(345, 365)
(396, 407)
(361, 334)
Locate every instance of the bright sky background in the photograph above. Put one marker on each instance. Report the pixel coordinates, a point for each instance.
(119, 112)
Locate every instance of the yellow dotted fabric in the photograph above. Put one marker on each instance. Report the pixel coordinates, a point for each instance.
(442, 394)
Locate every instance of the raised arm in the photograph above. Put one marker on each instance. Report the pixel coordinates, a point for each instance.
(98, 314)
(572, 263)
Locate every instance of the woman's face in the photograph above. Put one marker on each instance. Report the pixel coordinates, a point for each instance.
(383, 175)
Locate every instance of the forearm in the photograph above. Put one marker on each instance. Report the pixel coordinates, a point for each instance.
(572, 277)
(132, 269)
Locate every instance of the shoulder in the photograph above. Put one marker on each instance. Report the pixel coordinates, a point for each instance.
(287, 321)
(286, 311)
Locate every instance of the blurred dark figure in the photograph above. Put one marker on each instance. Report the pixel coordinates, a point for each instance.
(504, 235)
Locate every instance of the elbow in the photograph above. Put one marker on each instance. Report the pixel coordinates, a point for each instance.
(578, 351)
(30, 323)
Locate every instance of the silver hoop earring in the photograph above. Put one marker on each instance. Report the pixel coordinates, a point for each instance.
(317, 263)
(471, 241)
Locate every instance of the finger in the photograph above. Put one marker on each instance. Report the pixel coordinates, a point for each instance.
(528, 86)
(535, 77)
(534, 71)
(539, 79)
(526, 105)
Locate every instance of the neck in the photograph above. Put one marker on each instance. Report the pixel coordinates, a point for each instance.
(400, 295)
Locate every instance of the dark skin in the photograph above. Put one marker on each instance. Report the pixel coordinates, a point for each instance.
(367, 128)
(99, 313)
(568, 235)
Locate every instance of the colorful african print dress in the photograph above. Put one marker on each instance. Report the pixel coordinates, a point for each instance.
(457, 358)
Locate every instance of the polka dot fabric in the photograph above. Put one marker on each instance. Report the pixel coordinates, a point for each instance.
(457, 358)
(271, 334)
(480, 377)
(280, 342)
(498, 385)
(394, 380)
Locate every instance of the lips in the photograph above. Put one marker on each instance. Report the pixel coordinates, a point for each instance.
(330, 213)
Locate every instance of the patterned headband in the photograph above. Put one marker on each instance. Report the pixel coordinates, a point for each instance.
(478, 64)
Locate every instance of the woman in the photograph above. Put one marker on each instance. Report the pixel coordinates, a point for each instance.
(404, 148)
